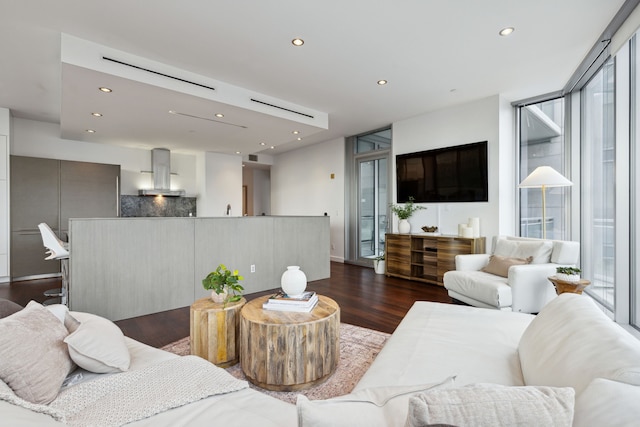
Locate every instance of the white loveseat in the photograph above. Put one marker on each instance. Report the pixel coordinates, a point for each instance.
(487, 280)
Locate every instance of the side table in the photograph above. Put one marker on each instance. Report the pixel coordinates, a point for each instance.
(288, 351)
(214, 331)
(562, 286)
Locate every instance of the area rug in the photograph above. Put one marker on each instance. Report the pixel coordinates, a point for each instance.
(358, 348)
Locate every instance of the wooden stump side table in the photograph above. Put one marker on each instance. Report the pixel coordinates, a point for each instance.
(214, 331)
(288, 351)
(562, 286)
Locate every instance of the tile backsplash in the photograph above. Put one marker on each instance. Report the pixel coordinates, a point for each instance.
(134, 206)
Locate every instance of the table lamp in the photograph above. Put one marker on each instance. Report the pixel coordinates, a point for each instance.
(543, 177)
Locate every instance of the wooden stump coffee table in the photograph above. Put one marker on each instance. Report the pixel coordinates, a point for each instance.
(288, 351)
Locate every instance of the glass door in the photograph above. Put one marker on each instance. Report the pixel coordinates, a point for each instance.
(372, 206)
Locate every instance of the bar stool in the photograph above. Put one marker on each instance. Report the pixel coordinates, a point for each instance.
(57, 250)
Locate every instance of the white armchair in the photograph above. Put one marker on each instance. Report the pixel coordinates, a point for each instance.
(520, 287)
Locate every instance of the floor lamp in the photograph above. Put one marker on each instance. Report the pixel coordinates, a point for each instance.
(543, 177)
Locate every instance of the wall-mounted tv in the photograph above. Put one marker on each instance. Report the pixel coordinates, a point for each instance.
(444, 175)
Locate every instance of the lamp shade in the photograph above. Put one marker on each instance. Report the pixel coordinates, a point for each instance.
(545, 176)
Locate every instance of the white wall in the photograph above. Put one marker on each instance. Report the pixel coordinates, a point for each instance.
(5, 137)
(261, 192)
(301, 184)
(40, 139)
(472, 122)
(221, 184)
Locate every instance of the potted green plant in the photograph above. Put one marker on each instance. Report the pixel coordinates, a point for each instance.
(404, 212)
(379, 264)
(223, 284)
(568, 274)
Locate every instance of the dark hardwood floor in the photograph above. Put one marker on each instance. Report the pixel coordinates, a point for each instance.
(366, 299)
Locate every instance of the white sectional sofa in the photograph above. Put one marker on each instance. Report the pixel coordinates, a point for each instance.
(514, 276)
(447, 364)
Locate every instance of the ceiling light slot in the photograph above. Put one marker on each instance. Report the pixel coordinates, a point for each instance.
(157, 73)
(282, 108)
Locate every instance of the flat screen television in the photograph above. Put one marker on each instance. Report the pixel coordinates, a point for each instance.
(444, 175)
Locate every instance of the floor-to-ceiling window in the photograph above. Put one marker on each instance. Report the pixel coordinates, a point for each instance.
(368, 155)
(598, 184)
(542, 143)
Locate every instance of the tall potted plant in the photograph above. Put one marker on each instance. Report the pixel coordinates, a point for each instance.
(404, 212)
(223, 284)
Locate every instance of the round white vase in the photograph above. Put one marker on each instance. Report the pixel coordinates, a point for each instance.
(379, 266)
(403, 226)
(568, 277)
(293, 281)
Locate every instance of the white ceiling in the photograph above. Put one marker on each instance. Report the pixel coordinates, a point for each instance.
(434, 53)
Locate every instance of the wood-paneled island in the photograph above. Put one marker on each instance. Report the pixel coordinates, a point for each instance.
(127, 267)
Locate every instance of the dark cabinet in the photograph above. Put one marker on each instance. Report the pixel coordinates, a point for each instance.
(52, 191)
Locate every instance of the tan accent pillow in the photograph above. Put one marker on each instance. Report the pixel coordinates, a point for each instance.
(34, 360)
(371, 407)
(493, 405)
(499, 265)
(98, 345)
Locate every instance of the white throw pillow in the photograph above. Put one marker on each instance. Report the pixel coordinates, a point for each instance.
(34, 360)
(540, 251)
(608, 403)
(371, 407)
(493, 405)
(571, 342)
(98, 345)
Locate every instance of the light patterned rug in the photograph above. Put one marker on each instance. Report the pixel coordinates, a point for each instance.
(358, 348)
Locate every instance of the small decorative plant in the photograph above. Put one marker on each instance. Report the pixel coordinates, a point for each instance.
(224, 282)
(405, 211)
(568, 274)
(380, 257)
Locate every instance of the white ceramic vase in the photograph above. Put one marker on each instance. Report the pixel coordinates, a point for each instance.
(293, 281)
(379, 265)
(403, 226)
(219, 298)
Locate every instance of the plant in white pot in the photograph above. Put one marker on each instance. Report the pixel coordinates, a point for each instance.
(404, 212)
(568, 274)
(223, 284)
(379, 264)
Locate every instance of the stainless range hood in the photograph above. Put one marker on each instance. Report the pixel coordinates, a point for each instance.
(161, 169)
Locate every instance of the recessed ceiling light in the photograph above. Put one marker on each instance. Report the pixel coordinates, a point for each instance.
(299, 139)
(297, 42)
(506, 31)
(263, 144)
(96, 114)
(105, 89)
(272, 147)
(219, 115)
(238, 152)
(91, 131)
(295, 132)
(382, 82)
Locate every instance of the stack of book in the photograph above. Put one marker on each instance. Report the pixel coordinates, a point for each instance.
(283, 302)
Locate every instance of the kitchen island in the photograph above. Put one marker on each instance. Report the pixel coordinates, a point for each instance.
(128, 267)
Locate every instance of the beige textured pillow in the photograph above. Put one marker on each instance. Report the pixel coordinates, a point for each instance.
(98, 345)
(499, 265)
(371, 407)
(34, 360)
(493, 405)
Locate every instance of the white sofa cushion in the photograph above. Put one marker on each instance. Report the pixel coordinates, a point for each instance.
(98, 345)
(34, 360)
(434, 339)
(373, 407)
(493, 405)
(485, 287)
(608, 403)
(539, 250)
(571, 342)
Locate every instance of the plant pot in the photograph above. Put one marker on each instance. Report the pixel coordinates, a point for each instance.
(568, 277)
(218, 298)
(379, 266)
(403, 226)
